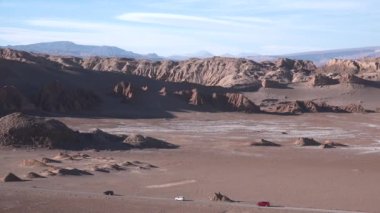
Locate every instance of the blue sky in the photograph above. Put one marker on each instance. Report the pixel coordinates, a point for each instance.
(169, 27)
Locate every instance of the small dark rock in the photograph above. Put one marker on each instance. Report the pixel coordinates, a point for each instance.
(306, 142)
(264, 142)
(220, 197)
(10, 177)
(33, 175)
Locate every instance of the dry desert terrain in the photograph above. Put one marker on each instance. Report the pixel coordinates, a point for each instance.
(215, 155)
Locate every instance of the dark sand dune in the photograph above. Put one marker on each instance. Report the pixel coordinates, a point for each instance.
(20, 130)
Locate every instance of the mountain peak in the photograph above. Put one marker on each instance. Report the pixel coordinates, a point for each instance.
(69, 48)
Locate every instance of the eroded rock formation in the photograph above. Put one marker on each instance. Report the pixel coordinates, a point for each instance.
(272, 84)
(10, 177)
(141, 142)
(296, 107)
(264, 142)
(125, 90)
(215, 71)
(306, 142)
(322, 80)
(353, 66)
(220, 197)
(353, 79)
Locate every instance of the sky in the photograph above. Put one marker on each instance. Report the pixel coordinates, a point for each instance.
(173, 27)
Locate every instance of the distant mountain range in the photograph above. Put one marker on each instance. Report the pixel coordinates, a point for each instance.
(320, 57)
(200, 54)
(71, 49)
(68, 48)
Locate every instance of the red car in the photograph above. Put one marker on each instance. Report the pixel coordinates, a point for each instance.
(263, 204)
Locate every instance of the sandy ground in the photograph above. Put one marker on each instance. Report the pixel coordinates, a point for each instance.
(214, 157)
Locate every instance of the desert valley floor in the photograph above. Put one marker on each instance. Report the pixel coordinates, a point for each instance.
(215, 155)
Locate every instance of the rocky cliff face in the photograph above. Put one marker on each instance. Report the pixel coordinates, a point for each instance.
(297, 107)
(216, 71)
(195, 98)
(322, 80)
(365, 72)
(211, 72)
(16, 55)
(129, 87)
(353, 79)
(365, 68)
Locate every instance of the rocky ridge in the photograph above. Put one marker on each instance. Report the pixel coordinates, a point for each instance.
(215, 71)
(298, 107)
(368, 69)
(212, 84)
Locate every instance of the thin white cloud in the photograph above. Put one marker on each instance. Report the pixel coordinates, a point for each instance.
(68, 24)
(266, 6)
(178, 20)
(323, 5)
(250, 19)
(167, 18)
(285, 49)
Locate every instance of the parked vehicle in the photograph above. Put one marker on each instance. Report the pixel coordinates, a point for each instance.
(179, 198)
(263, 204)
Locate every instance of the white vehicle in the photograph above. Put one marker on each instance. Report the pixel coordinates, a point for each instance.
(179, 198)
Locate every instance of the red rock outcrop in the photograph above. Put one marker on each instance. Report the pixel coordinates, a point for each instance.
(297, 107)
(240, 103)
(346, 66)
(140, 142)
(352, 79)
(221, 197)
(196, 98)
(342, 66)
(295, 64)
(354, 108)
(126, 90)
(21, 56)
(306, 142)
(215, 71)
(322, 80)
(219, 101)
(266, 83)
(163, 91)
